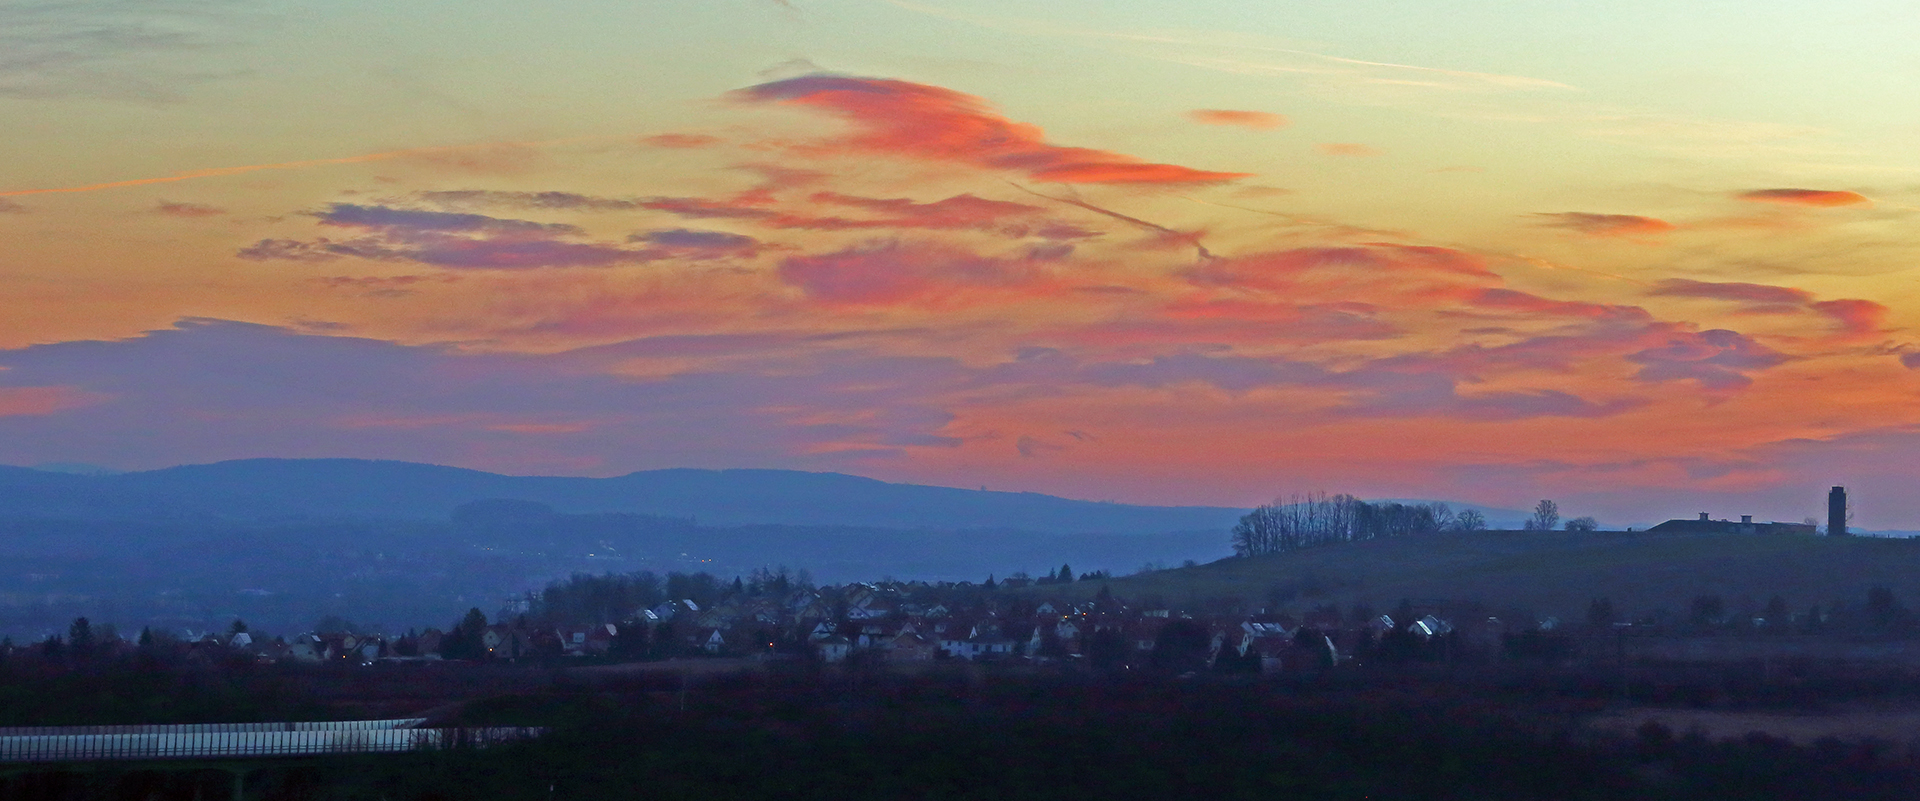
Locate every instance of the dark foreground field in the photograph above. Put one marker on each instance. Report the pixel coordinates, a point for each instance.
(797, 732)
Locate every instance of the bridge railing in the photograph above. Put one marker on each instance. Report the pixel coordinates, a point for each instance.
(243, 744)
(215, 728)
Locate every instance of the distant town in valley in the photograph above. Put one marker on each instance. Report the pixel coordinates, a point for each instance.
(517, 596)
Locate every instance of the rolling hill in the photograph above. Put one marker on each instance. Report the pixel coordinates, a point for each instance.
(263, 489)
(1552, 573)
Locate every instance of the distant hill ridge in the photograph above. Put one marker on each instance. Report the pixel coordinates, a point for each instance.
(263, 489)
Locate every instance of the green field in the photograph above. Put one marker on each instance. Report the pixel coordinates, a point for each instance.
(1546, 573)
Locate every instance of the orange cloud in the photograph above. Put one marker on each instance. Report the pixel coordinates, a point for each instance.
(930, 123)
(172, 209)
(1606, 225)
(1347, 149)
(1806, 197)
(680, 141)
(1243, 119)
(42, 401)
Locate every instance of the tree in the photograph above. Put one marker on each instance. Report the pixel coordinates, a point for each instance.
(1600, 613)
(1546, 516)
(1884, 611)
(1469, 520)
(80, 637)
(1066, 574)
(1708, 610)
(238, 627)
(1181, 647)
(1106, 649)
(463, 640)
(1583, 524)
(1777, 614)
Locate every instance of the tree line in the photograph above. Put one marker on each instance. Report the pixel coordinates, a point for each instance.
(1304, 521)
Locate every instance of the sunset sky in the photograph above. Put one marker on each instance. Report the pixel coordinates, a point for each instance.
(1645, 258)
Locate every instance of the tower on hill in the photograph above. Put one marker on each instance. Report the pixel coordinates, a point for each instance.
(1837, 512)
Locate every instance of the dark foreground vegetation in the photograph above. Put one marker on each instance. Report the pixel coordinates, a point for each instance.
(801, 730)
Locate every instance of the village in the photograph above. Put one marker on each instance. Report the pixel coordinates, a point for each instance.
(891, 623)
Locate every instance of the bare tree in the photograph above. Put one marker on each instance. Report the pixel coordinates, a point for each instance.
(1302, 521)
(1546, 517)
(1583, 524)
(1469, 520)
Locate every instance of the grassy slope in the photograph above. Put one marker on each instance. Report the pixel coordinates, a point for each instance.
(1554, 573)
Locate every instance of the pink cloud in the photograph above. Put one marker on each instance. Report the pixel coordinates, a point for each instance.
(1383, 261)
(1518, 302)
(447, 239)
(1260, 120)
(1732, 290)
(681, 141)
(1806, 197)
(1853, 318)
(1607, 225)
(893, 272)
(930, 123)
(1347, 149)
(172, 209)
(42, 401)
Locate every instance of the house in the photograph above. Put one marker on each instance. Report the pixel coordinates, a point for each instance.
(587, 640)
(1706, 525)
(1274, 652)
(1428, 627)
(309, 647)
(712, 641)
(505, 642)
(908, 646)
(832, 649)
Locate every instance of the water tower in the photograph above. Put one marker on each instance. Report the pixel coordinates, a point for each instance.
(1837, 512)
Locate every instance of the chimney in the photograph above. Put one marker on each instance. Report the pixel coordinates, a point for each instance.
(1837, 512)
(1703, 517)
(1746, 518)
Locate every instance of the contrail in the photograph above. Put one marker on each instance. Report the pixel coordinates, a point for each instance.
(1194, 239)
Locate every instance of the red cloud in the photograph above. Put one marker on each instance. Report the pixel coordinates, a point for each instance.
(680, 141)
(1806, 197)
(1620, 225)
(912, 120)
(1243, 119)
(1347, 149)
